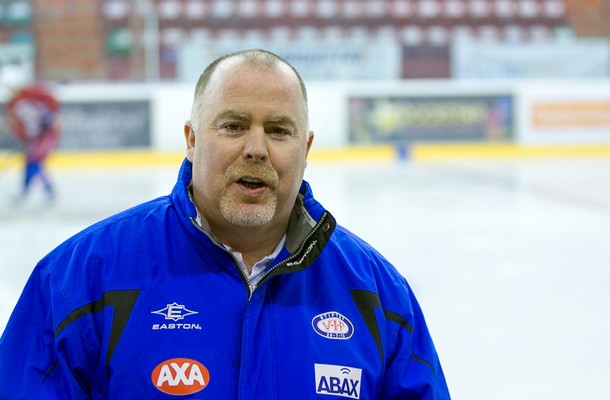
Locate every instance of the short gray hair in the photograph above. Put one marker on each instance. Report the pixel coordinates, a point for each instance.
(250, 57)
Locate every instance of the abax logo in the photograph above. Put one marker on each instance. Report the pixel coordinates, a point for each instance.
(180, 376)
(338, 380)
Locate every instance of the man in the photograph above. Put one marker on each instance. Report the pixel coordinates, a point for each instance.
(32, 115)
(239, 284)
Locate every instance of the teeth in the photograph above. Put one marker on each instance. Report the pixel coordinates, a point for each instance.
(251, 180)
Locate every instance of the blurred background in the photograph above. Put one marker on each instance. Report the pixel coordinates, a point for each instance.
(468, 140)
(380, 71)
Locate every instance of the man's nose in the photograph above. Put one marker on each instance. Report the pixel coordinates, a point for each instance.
(255, 147)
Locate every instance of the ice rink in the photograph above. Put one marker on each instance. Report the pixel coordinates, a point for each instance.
(509, 258)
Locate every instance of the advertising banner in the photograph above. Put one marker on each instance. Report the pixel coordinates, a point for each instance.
(410, 119)
(484, 60)
(314, 60)
(97, 125)
(105, 125)
(571, 114)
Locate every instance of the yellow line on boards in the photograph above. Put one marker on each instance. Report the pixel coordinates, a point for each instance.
(419, 151)
(504, 150)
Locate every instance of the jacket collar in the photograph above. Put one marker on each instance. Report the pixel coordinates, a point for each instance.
(305, 220)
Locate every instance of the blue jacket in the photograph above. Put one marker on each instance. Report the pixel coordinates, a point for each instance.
(147, 305)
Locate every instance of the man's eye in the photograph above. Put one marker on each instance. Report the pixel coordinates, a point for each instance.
(232, 127)
(279, 131)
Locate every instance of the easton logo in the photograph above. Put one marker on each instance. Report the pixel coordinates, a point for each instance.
(180, 376)
(333, 325)
(338, 380)
(175, 311)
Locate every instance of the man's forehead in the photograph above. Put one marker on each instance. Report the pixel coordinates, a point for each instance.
(226, 68)
(232, 80)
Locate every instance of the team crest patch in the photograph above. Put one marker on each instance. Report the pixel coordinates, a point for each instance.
(333, 325)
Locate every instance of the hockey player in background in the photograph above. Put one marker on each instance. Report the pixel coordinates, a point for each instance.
(32, 117)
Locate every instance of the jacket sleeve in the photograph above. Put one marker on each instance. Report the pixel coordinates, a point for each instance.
(33, 364)
(414, 370)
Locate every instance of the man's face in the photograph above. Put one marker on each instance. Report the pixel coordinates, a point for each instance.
(248, 146)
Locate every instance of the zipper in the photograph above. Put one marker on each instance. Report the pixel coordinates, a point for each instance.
(297, 253)
(265, 274)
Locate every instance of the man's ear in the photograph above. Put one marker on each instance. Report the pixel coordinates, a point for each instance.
(189, 137)
(309, 142)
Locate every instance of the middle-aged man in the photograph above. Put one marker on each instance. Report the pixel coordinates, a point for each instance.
(237, 285)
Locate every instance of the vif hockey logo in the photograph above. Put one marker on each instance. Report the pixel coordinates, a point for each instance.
(333, 325)
(180, 376)
(175, 312)
(338, 380)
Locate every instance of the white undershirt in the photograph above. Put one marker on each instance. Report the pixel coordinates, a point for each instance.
(260, 266)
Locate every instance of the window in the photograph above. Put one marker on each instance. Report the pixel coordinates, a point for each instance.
(326, 8)
(375, 8)
(454, 8)
(333, 33)
(386, 33)
(279, 33)
(201, 34)
(438, 35)
(462, 32)
(247, 8)
(528, 8)
(300, 8)
(116, 9)
(402, 8)
(274, 8)
(19, 11)
(194, 9)
(307, 33)
(540, 33)
(358, 33)
(554, 9)
(171, 36)
(170, 9)
(504, 8)
(489, 32)
(429, 8)
(352, 8)
(514, 33)
(479, 8)
(222, 8)
(412, 35)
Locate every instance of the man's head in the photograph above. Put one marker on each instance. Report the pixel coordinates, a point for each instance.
(248, 140)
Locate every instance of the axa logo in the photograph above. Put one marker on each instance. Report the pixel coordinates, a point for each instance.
(175, 312)
(180, 376)
(338, 380)
(333, 325)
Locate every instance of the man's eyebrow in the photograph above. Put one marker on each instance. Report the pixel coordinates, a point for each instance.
(233, 115)
(280, 119)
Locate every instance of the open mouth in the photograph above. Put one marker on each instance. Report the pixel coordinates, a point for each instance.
(252, 183)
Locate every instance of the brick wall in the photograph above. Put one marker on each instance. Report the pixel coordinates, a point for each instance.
(69, 40)
(589, 18)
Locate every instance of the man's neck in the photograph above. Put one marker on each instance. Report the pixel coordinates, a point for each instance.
(253, 243)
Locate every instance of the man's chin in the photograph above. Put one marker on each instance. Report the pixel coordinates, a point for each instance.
(248, 215)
